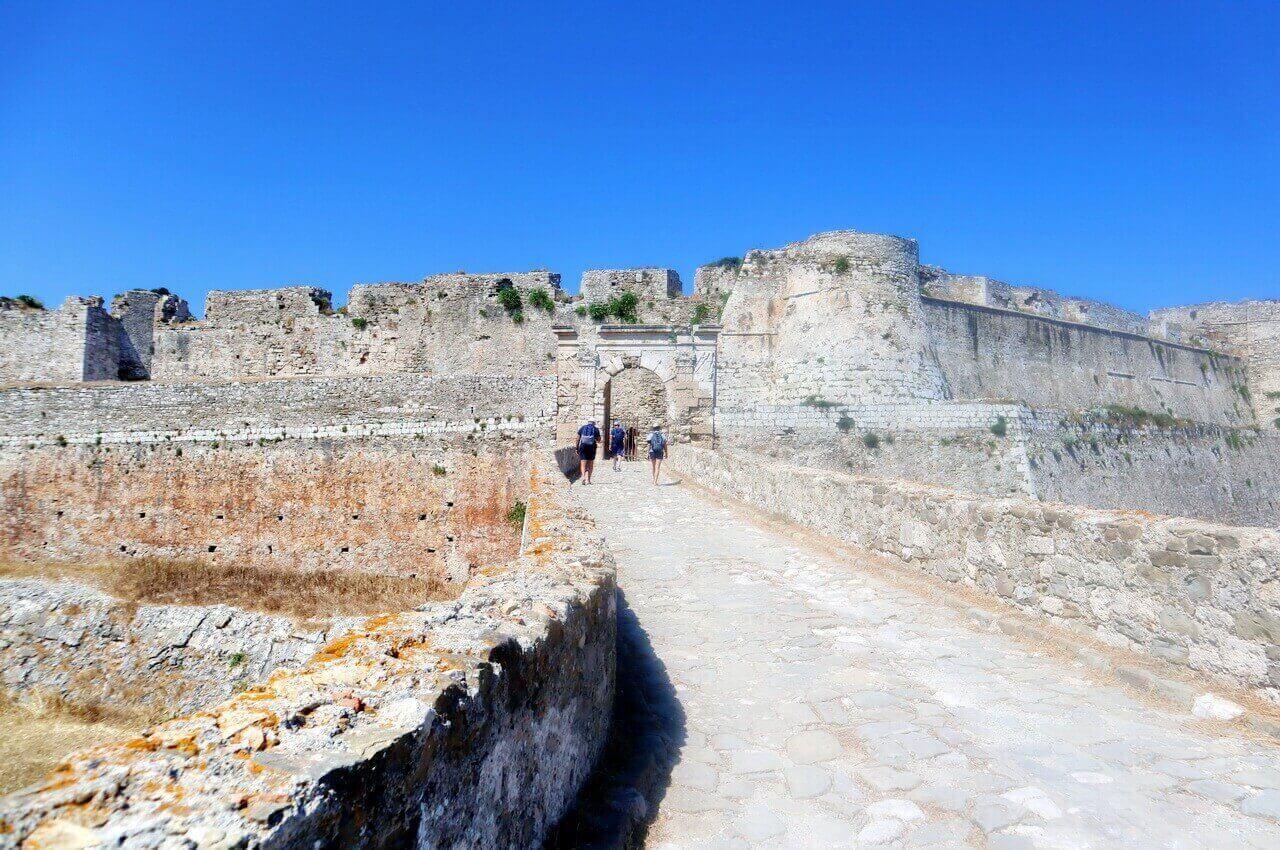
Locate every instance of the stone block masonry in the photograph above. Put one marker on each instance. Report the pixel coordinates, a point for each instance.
(1195, 594)
(469, 723)
(77, 342)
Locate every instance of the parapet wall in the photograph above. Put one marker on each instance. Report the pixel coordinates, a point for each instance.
(996, 354)
(469, 723)
(1195, 594)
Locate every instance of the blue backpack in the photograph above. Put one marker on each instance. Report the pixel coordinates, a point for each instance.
(657, 441)
(589, 433)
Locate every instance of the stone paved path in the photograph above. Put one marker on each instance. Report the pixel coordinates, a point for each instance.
(824, 708)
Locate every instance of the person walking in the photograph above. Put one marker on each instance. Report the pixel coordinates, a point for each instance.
(657, 450)
(588, 437)
(617, 445)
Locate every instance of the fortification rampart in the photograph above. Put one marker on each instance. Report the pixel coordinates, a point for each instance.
(463, 723)
(409, 475)
(447, 324)
(1249, 329)
(997, 354)
(1198, 595)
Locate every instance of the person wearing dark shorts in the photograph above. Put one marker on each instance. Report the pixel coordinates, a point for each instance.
(617, 445)
(657, 450)
(588, 438)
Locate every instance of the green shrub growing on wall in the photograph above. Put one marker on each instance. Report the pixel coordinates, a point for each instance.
(701, 313)
(624, 307)
(541, 299)
(845, 423)
(30, 302)
(437, 469)
(359, 324)
(841, 265)
(515, 515)
(871, 440)
(509, 298)
(599, 312)
(728, 263)
(1000, 427)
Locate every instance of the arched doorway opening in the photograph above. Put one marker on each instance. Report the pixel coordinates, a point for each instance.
(637, 398)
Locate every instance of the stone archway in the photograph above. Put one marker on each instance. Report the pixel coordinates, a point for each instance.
(637, 397)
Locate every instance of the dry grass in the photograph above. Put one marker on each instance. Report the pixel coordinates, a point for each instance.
(317, 594)
(35, 737)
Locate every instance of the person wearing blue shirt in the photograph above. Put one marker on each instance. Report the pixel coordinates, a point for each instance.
(588, 437)
(617, 445)
(657, 450)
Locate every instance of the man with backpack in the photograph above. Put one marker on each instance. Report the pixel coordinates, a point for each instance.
(657, 450)
(588, 437)
(617, 445)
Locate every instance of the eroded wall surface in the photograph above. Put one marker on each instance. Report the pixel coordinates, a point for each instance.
(81, 645)
(1196, 594)
(77, 342)
(446, 324)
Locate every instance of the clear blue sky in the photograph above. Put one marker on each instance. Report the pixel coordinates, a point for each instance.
(1126, 151)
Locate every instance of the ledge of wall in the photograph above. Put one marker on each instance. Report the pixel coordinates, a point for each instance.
(1195, 594)
(469, 723)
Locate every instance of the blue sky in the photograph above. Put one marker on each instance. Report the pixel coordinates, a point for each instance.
(1129, 152)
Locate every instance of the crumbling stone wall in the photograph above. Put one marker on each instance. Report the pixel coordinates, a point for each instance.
(77, 643)
(1196, 594)
(1248, 329)
(469, 723)
(139, 312)
(77, 342)
(447, 324)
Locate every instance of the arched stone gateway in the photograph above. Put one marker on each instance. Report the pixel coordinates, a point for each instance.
(636, 397)
(655, 372)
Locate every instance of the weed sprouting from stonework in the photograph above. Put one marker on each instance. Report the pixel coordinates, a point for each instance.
(236, 659)
(515, 515)
(1000, 427)
(60, 440)
(701, 314)
(359, 323)
(841, 265)
(818, 402)
(845, 423)
(580, 310)
(624, 307)
(871, 440)
(509, 298)
(439, 470)
(599, 311)
(728, 263)
(541, 299)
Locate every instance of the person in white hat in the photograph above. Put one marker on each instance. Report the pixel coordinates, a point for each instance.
(657, 450)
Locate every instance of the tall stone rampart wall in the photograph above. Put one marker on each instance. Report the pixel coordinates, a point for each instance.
(1195, 594)
(989, 353)
(469, 723)
(407, 475)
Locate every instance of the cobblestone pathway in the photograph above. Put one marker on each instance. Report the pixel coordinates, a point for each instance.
(824, 708)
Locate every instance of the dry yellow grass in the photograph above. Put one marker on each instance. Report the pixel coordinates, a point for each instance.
(35, 738)
(318, 594)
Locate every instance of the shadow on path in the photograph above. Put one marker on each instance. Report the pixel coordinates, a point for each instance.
(621, 797)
